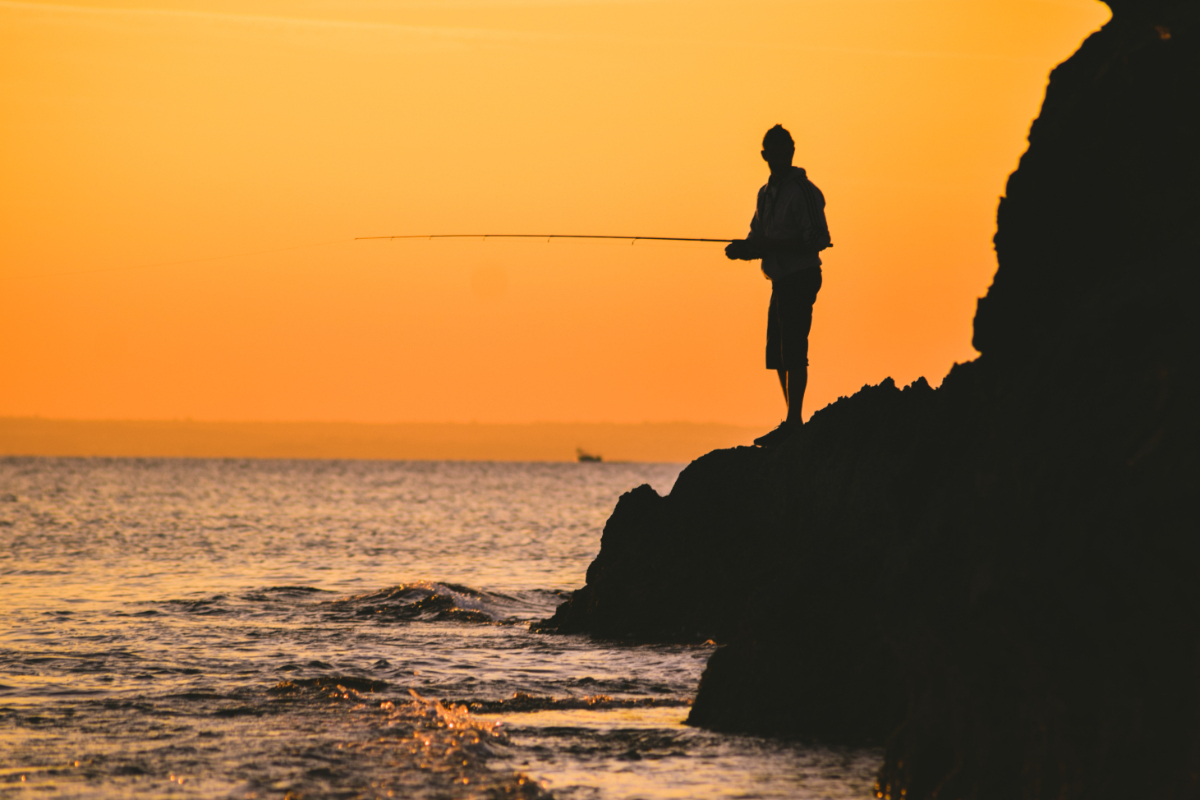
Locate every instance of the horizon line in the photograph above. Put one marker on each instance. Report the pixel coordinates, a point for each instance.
(196, 420)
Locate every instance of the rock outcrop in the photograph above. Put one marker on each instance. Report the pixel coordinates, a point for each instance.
(998, 579)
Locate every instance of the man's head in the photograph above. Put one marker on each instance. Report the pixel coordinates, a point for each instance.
(778, 149)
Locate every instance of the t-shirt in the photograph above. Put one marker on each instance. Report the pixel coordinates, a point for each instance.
(791, 207)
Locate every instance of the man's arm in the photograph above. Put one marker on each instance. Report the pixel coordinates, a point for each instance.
(754, 247)
(747, 249)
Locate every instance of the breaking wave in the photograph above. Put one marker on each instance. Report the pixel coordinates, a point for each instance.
(427, 601)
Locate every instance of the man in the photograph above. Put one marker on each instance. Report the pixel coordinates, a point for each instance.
(788, 232)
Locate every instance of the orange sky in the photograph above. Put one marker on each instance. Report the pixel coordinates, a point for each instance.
(137, 132)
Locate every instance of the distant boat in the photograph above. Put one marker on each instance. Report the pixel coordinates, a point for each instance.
(586, 457)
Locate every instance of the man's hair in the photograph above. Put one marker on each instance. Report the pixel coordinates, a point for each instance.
(778, 138)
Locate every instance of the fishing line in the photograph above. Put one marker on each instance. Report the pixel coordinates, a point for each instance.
(547, 237)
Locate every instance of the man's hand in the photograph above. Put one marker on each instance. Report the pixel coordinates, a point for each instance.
(742, 250)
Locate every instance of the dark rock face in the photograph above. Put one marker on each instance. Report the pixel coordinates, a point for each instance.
(999, 579)
(1108, 181)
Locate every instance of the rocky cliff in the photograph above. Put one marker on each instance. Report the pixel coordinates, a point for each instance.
(998, 579)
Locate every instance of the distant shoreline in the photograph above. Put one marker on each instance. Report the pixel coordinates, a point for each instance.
(539, 441)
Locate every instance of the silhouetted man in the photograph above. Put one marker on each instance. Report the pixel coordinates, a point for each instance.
(788, 232)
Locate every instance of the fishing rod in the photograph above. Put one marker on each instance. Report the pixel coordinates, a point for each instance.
(547, 237)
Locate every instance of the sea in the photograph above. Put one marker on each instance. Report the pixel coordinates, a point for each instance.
(178, 628)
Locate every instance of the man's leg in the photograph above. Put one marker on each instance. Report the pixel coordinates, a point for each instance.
(792, 382)
(789, 320)
(796, 382)
(795, 324)
(777, 435)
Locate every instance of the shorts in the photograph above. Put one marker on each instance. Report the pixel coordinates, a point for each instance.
(789, 318)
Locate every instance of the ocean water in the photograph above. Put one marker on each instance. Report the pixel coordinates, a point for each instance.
(343, 629)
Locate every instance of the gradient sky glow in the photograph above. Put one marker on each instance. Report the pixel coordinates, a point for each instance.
(138, 132)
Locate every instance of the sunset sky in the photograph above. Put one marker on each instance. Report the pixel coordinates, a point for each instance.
(150, 132)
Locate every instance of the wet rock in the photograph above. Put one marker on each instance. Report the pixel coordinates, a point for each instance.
(668, 568)
(996, 579)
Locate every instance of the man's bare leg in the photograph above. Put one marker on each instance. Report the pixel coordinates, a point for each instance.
(786, 382)
(795, 382)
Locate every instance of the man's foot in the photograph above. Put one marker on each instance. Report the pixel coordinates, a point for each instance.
(778, 435)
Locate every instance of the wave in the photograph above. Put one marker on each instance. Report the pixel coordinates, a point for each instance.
(345, 687)
(272, 592)
(428, 601)
(355, 688)
(418, 601)
(523, 702)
